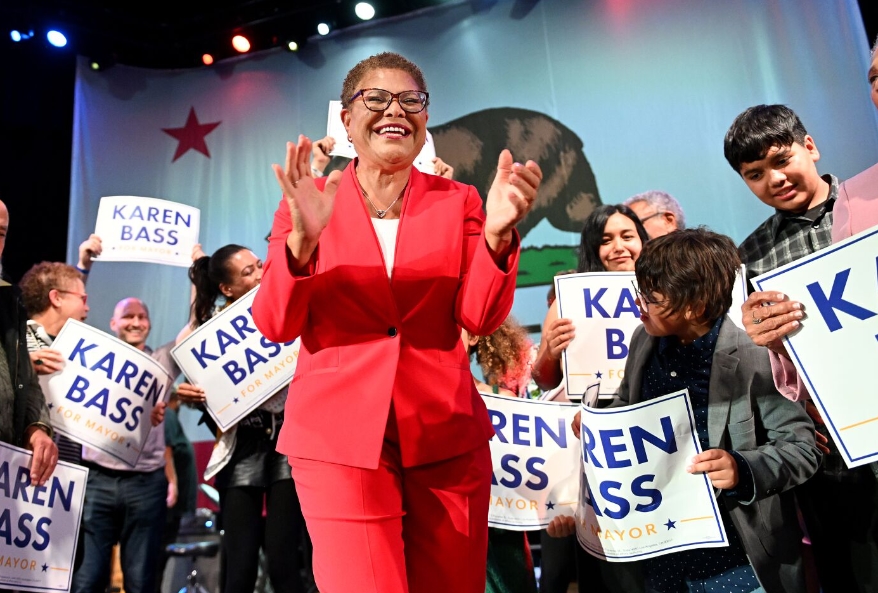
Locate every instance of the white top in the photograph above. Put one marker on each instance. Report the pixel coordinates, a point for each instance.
(386, 231)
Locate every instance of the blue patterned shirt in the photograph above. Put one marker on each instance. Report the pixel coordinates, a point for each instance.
(672, 367)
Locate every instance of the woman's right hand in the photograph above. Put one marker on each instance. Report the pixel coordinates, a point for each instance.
(191, 394)
(559, 334)
(310, 208)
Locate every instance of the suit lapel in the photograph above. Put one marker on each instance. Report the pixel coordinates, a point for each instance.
(722, 381)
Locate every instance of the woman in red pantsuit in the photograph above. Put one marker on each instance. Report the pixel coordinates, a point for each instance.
(377, 268)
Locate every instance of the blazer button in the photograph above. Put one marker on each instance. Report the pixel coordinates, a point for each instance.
(391, 331)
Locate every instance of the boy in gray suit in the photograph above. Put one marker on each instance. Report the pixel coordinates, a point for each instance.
(756, 444)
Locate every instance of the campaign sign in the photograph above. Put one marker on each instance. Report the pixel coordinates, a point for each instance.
(535, 458)
(636, 499)
(104, 395)
(837, 342)
(739, 296)
(38, 525)
(147, 230)
(603, 309)
(236, 365)
(345, 148)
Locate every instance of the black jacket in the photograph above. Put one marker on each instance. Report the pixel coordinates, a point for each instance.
(29, 404)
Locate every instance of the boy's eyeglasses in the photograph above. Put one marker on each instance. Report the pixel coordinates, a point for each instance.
(645, 301)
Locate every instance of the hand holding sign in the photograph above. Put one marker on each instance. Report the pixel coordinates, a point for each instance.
(45, 455)
(720, 467)
(88, 250)
(561, 526)
(320, 153)
(191, 394)
(768, 317)
(46, 361)
(310, 208)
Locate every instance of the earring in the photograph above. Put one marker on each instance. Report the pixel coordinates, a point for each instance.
(351, 140)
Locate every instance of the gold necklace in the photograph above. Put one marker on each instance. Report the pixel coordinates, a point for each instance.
(381, 213)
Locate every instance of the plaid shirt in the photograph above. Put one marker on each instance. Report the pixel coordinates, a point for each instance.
(785, 237)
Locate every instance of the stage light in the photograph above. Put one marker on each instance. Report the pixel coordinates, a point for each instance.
(56, 38)
(16, 35)
(207, 59)
(364, 10)
(323, 29)
(241, 43)
(95, 65)
(292, 46)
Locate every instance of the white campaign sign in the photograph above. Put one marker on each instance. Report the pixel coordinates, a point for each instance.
(237, 366)
(147, 230)
(836, 344)
(739, 296)
(104, 395)
(603, 308)
(38, 525)
(535, 458)
(345, 148)
(636, 500)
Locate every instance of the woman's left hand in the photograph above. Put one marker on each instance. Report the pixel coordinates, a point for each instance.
(510, 199)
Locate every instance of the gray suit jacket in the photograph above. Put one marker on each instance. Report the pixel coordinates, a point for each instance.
(775, 436)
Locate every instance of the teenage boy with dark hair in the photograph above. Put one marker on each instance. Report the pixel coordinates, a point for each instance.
(756, 444)
(769, 147)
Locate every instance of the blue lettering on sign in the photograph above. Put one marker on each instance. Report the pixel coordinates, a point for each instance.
(77, 394)
(168, 215)
(509, 464)
(16, 488)
(666, 442)
(521, 429)
(157, 235)
(616, 346)
(625, 304)
(612, 491)
(594, 302)
(106, 365)
(25, 535)
(828, 305)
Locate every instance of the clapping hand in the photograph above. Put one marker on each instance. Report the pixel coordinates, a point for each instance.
(310, 208)
(509, 200)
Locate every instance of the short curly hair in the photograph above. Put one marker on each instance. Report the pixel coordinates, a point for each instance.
(42, 278)
(505, 356)
(383, 61)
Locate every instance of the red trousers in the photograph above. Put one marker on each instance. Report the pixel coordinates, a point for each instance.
(397, 529)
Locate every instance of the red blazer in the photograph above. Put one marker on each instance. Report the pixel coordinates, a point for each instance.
(369, 340)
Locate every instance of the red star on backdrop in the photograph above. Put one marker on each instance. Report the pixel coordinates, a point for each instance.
(191, 136)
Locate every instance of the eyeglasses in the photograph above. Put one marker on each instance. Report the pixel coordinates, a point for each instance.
(645, 301)
(81, 295)
(379, 99)
(653, 215)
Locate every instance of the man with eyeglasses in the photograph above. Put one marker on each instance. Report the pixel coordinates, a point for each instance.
(658, 211)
